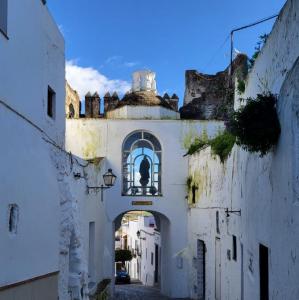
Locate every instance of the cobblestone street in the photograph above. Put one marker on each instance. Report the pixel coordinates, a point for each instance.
(137, 291)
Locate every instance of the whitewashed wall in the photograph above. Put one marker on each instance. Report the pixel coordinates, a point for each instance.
(264, 189)
(31, 59)
(143, 112)
(89, 138)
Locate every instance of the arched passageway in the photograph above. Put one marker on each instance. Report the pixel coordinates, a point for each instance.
(145, 235)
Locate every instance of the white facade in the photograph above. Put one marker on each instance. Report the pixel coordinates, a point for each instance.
(31, 59)
(51, 221)
(143, 112)
(262, 191)
(90, 138)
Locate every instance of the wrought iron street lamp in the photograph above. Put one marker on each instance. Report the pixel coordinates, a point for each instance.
(109, 181)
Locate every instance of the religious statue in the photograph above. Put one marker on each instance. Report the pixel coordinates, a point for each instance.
(144, 171)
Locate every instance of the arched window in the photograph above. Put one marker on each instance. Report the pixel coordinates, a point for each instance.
(141, 165)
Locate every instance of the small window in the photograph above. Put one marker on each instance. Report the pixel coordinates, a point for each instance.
(51, 102)
(234, 248)
(152, 258)
(13, 218)
(3, 17)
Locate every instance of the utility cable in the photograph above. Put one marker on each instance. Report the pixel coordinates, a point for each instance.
(47, 138)
(216, 53)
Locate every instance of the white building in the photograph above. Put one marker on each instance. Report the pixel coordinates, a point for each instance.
(32, 114)
(152, 130)
(250, 253)
(238, 240)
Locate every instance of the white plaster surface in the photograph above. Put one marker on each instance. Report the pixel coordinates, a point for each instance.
(143, 112)
(264, 189)
(31, 59)
(104, 138)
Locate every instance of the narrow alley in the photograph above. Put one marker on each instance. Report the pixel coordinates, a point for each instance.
(137, 291)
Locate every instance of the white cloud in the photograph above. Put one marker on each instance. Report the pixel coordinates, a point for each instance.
(88, 79)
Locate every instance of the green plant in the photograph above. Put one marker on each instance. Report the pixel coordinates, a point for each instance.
(256, 125)
(123, 255)
(262, 40)
(222, 145)
(241, 86)
(197, 145)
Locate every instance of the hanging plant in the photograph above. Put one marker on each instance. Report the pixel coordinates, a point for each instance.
(256, 125)
(222, 145)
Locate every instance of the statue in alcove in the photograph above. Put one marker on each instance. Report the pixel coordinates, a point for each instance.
(144, 171)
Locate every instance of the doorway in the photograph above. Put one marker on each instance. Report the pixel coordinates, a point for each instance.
(217, 269)
(264, 272)
(157, 257)
(201, 272)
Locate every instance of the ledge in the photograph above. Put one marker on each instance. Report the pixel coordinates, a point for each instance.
(9, 286)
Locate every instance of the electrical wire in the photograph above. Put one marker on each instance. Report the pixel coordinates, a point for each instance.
(216, 53)
(46, 137)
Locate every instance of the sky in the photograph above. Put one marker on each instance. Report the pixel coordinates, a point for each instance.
(107, 40)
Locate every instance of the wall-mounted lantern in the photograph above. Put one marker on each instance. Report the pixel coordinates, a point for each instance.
(109, 181)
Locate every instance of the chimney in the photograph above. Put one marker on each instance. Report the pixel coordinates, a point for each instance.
(92, 105)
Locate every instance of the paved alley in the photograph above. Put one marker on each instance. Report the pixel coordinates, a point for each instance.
(137, 291)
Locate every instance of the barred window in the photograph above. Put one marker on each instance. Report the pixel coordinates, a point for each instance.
(141, 165)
